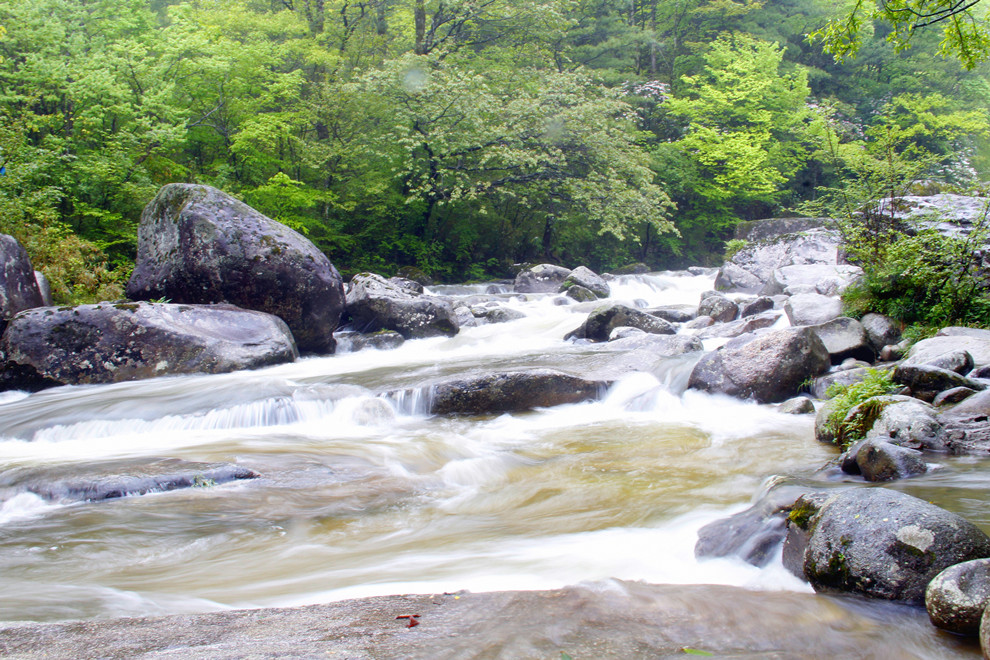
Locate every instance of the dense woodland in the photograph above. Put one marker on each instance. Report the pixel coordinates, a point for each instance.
(462, 136)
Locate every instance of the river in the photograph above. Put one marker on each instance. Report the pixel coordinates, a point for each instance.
(363, 495)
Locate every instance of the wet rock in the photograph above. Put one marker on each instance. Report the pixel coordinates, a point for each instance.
(927, 382)
(109, 343)
(542, 278)
(953, 396)
(799, 405)
(104, 481)
(957, 597)
(199, 245)
(826, 279)
(877, 460)
(511, 392)
(845, 338)
(588, 279)
(674, 313)
(699, 322)
(770, 368)
(656, 345)
(374, 303)
(883, 544)
(755, 306)
(717, 306)
(753, 535)
(907, 422)
(351, 342)
(600, 323)
(960, 362)
(18, 285)
(812, 309)
(638, 268)
(44, 287)
(580, 294)
(415, 274)
(881, 330)
(625, 332)
(752, 266)
(967, 425)
(407, 285)
(503, 315)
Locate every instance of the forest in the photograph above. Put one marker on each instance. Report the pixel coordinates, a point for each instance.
(463, 136)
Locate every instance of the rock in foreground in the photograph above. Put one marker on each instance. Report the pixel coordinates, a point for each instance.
(109, 343)
(198, 245)
(882, 543)
(612, 619)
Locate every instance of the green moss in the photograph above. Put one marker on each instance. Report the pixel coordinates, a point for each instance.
(801, 515)
(845, 398)
(127, 307)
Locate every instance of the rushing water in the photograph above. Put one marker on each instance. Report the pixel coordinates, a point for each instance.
(363, 494)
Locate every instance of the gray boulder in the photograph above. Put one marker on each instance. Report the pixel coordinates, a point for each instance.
(755, 306)
(109, 343)
(881, 330)
(542, 278)
(589, 279)
(351, 342)
(741, 327)
(198, 245)
(927, 382)
(845, 338)
(799, 405)
(602, 321)
(18, 285)
(374, 303)
(580, 294)
(769, 369)
(957, 597)
(812, 309)
(717, 306)
(882, 543)
(826, 279)
(752, 266)
(511, 392)
(674, 313)
(929, 351)
(44, 287)
(877, 460)
(953, 396)
(907, 422)
(966, 429)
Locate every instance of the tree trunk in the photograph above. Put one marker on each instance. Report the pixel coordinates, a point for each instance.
(420, 19)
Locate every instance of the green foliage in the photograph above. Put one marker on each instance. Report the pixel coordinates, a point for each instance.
(733, 247)
(845, 398)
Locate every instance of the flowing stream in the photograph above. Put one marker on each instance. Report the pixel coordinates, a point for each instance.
(362, 493)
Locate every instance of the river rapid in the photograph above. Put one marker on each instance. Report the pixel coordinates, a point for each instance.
(362, 493)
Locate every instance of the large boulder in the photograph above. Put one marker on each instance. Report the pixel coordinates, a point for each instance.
(825, 279)
(812, 309)
(541, 278)
(965, 426)
(752, 267)
(881, 330)
(375, 303)
(877, 460)
(958, 596)
(907, 422)
(717, 306)
(603, 320)
(109, 343)
(511, 392)
(18, 284)
(199, 245)
(882, 543)
(952, 340)
(927, 382)
(769, 369)
(845, 338)
(589, 279)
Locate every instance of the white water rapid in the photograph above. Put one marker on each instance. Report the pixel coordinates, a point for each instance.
(364, 494)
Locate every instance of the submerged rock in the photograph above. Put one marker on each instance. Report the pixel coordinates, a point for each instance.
(769, 369)
(109, 343)
(350, 342)
(882, 543)
(198, 245)
(104, 481)
(511, 391)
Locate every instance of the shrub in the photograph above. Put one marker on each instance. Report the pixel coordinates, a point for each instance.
(846, 397)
